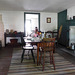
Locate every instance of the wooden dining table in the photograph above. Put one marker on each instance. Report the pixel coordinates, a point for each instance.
(28, 40)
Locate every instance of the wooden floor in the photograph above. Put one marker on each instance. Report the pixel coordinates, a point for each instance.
(66, 55)
(6, 54)
(5, 59)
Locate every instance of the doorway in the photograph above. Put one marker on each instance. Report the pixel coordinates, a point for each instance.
(31, 20)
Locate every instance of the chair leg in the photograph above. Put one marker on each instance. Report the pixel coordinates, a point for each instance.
(53, 60)
(50, 58)
(28, 53)
(22, 55)
(33, 55)
(40, 57)
(43, 61)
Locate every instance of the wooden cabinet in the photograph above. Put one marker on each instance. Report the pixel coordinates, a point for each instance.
(13, 35)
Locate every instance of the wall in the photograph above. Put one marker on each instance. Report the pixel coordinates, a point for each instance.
(1, 31)
(71, 12)
(48, 26)
(15, 20)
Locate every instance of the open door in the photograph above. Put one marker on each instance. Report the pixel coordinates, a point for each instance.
(31, 21)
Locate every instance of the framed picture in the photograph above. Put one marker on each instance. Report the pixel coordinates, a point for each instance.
(48, 20)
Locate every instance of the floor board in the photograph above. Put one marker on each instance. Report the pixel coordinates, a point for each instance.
(6, 54)
(5, 59)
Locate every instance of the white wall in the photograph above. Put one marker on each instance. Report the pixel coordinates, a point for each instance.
(1, 31)
(48, 26)
(15, 20)
(71, 12)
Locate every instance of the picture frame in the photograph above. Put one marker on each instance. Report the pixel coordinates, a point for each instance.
(48, 20)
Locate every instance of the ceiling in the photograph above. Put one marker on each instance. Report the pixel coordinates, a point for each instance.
(36, 5)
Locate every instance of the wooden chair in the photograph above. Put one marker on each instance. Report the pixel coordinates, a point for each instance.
(26, 47)
(59, 34)
(49, 39)
(46, 47)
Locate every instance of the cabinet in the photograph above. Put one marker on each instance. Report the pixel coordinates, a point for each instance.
(13, 35)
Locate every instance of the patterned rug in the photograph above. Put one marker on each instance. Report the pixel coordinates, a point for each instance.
(27, 67)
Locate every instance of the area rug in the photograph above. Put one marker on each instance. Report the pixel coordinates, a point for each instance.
(27, 67)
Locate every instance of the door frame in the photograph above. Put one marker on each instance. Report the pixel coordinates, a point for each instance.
(25, 20)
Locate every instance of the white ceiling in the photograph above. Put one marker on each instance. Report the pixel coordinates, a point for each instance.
(36, 5)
